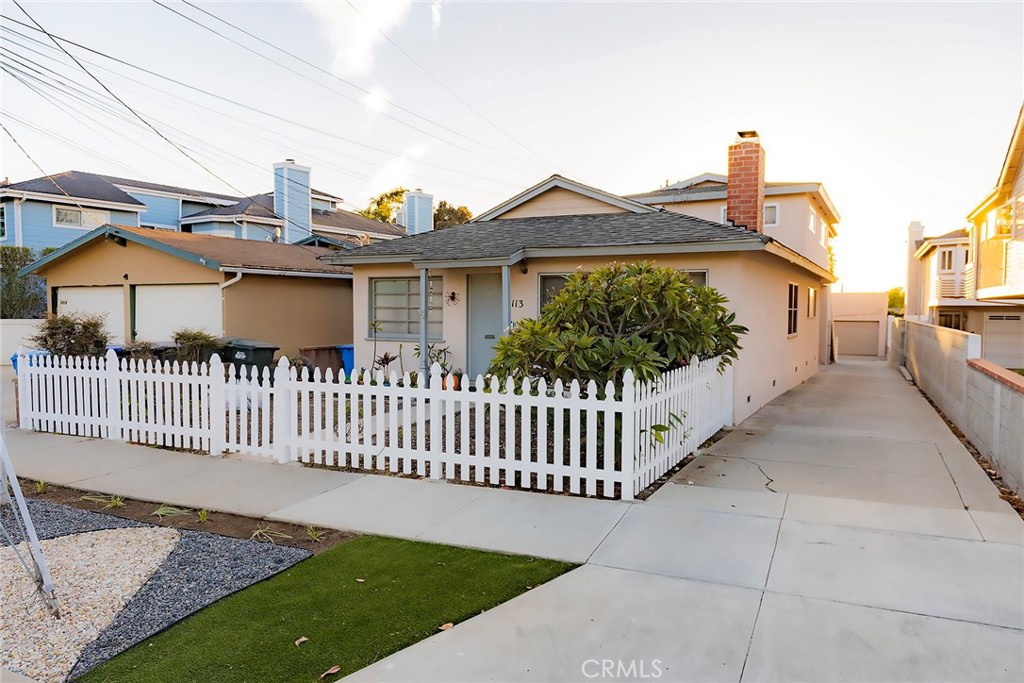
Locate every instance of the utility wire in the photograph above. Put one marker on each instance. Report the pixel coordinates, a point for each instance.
(242, 105)
(143, 119)
(435, 79)
(338, 78)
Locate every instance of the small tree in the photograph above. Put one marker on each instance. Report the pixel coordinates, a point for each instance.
(73, 334)
(384, 207)
(897, 300)
(448, 215)
(20, 296)
(634, 316)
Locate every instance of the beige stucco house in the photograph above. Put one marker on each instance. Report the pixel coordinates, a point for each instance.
(484, 276)
(150, 283)
(972, 278)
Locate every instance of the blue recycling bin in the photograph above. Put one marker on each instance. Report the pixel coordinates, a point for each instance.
(348, 358)
(28, 352)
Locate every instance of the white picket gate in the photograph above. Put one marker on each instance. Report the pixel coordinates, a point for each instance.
(609, 441)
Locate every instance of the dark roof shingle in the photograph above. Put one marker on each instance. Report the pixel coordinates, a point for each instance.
(77, 184)
(503, 238)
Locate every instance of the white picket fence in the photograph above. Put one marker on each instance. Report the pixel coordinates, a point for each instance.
(605, 441)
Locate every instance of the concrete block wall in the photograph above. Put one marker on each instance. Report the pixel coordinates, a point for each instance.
(995, 418)
(985, 401)
(937, 358)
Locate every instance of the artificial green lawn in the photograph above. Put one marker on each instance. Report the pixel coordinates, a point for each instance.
(409, 590)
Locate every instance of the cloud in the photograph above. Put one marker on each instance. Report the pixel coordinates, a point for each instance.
(355, 36)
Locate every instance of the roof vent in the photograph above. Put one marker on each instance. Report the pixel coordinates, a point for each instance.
(746, 135)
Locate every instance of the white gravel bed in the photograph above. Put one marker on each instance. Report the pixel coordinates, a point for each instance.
(95, 574)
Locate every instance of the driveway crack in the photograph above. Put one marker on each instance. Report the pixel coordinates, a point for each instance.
(770, 480)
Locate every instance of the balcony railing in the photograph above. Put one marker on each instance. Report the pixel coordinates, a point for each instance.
(949, 287)
(969, 281)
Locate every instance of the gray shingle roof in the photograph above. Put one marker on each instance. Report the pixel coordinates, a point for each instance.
(257, 206)
(347, 220)
(158, 187)
(77, 184)
(960, 232)
(503, 238)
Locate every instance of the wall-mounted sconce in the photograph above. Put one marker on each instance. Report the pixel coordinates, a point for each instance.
(523, 267)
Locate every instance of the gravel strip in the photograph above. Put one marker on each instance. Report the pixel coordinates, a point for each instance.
(95, 574)
(202, 569)
(53, 520)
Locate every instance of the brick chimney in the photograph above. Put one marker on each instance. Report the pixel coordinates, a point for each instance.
(745, 194)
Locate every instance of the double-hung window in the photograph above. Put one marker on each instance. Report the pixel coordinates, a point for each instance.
(812, 302)
(792, 308)
(395, 308)
(68, 217)
(550, 286)
(3, 222)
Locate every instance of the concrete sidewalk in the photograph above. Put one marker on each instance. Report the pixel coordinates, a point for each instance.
(841, 533)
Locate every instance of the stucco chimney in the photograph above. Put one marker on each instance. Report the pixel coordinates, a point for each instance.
(417, 212)
(745, 190)
(292, 200)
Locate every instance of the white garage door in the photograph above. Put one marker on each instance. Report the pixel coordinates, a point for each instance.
(1004, 339)
(857, 337)
(162, 310)
(105, 301)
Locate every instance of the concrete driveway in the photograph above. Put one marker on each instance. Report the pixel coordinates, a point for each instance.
(841, 533)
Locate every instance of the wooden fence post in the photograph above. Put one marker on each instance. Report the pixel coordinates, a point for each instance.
(218, 411)
(115, 428)
(284, 411)
(628, 435)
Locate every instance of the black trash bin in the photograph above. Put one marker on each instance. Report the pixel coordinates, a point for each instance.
(246, 352)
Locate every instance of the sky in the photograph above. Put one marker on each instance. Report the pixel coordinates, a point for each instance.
(903, 111)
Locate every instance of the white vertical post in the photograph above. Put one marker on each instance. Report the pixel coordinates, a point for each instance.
(435, 392)
(284, 415)
(506, 298)
(425, 324)
(113, 418)
(628, 449)
(218, 400)
(24, 391)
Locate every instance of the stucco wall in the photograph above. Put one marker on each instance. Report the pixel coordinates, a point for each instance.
(14, 333)
(755, 284)
(863, 306)
(560, 202)
(290, 312)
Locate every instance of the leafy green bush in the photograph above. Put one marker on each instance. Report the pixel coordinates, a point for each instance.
(140, 350)
(20, 296)
(195, 345)
(636, 316)
(74, 334)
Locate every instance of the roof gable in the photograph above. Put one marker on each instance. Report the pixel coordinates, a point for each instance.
(77, 184)
(557, 181)
(217, 253)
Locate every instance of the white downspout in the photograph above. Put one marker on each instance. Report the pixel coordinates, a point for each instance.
(18, 238)
(224, 285)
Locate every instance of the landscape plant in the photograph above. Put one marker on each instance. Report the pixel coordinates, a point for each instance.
(195, 346)
(21, 296)
(622, 316)
(73, 334)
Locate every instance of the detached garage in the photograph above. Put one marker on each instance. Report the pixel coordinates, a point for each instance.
(150, 283)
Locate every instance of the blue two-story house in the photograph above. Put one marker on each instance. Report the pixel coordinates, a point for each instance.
(53, 210)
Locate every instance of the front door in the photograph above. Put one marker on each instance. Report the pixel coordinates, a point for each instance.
(485, 308)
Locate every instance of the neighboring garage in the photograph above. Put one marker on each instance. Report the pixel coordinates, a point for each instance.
(857, 337)
(1003, 341)
(150, 283)
(860, 322)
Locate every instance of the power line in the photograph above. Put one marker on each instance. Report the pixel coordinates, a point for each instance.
(338, 78)
(242, 105)
(436, 80)
(143, 119)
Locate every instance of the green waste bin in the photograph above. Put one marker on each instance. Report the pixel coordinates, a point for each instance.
(248, 352)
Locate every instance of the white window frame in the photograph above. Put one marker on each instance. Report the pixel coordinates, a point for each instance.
(82, 212)
(436, 296)
(703, 271)
(792, 309)
(944, 253)
(725, 209)
(540, 286)
(812, 302)
(3, 222)
(812, 222)
(775, 223)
